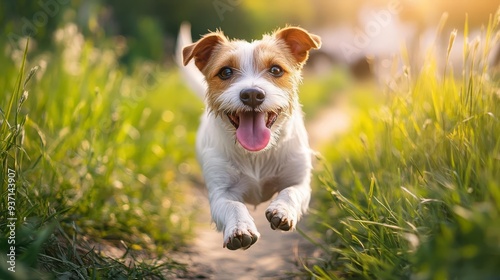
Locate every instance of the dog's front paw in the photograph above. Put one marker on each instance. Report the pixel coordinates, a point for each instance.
(241, 239)
(280, 219)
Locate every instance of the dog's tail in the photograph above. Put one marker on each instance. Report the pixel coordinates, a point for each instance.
(190, 73)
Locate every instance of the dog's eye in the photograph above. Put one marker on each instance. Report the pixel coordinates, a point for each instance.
(276, 71)
(225, 73)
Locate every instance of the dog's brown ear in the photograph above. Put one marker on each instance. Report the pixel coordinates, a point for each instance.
(202, 50)
(299, 41)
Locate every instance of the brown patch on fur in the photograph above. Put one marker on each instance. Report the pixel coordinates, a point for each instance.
(222, 57)
(202, 50)
(299, 41)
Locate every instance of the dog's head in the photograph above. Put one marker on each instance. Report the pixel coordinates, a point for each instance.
(252, 86)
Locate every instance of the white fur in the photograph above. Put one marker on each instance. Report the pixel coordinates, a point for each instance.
(235, 176)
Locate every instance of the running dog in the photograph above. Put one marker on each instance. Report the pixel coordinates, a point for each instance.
(252, 142)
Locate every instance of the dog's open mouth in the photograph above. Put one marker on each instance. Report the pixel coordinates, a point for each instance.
(270, 118)
(253, 128)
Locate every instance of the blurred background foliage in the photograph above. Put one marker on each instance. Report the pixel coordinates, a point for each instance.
(104, 147)
(147, 29)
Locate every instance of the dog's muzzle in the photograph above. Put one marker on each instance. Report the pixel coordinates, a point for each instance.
(253, 127)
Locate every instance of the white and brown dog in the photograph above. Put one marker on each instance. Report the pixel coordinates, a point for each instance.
(252, 141)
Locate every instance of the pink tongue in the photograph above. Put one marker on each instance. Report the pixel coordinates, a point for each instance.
(252, 132)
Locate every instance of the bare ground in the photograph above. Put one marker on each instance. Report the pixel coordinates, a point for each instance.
(275, 255)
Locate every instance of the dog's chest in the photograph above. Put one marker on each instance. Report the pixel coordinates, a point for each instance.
(260, 178)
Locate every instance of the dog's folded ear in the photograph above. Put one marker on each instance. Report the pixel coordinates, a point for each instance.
(202, 50)
(299, 41)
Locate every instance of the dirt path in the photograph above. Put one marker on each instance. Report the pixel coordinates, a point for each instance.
(276, 253)
(272, 257)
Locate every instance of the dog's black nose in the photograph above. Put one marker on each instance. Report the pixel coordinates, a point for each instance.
(252, 97)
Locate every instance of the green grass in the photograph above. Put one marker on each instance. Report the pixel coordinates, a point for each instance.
(413, 190)
(99, 154)
(321, 90)
(105, 155)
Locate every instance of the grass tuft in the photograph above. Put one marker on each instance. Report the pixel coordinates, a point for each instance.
(100, 155)
(413, 191)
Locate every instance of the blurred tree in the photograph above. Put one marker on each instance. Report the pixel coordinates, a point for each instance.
(20, 18)
(149, 26)
(152, 18)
